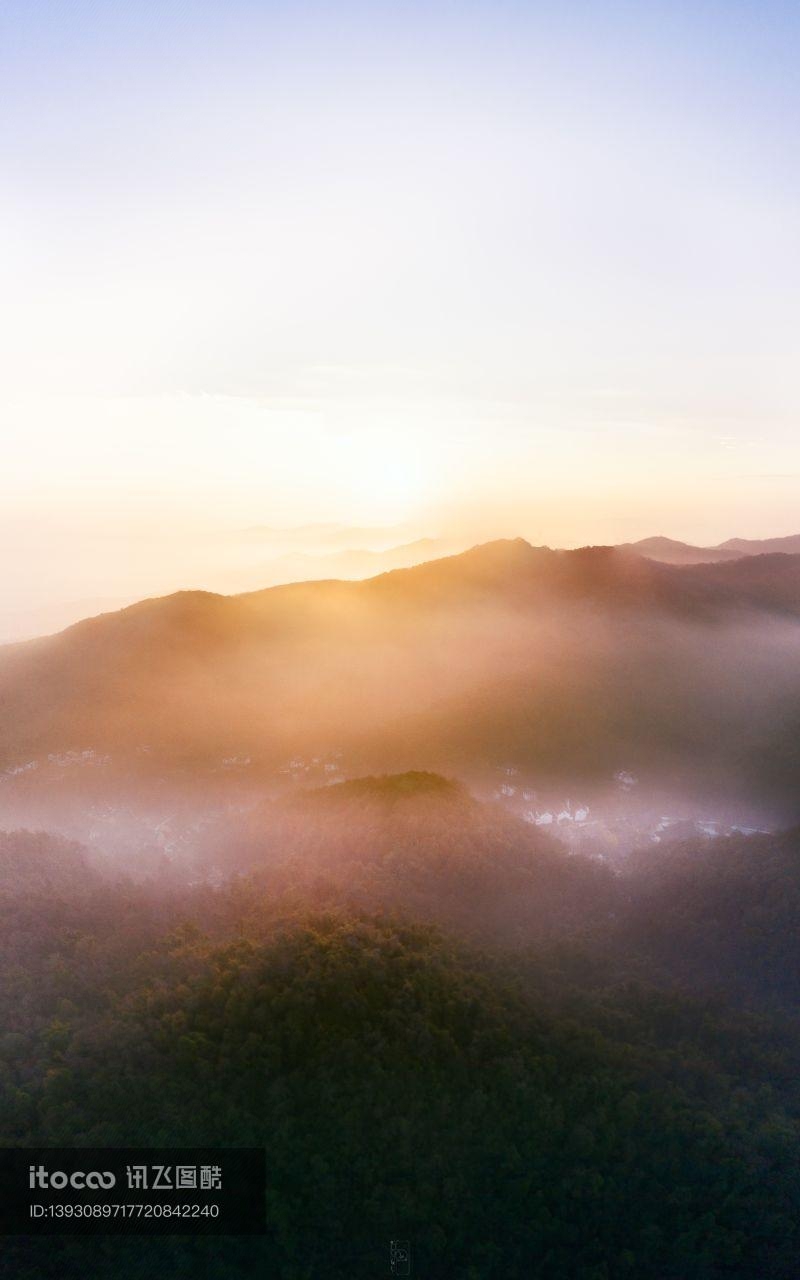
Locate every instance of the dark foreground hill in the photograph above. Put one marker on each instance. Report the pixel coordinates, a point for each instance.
(590, 1097)
(575, 664)
(405, 1088)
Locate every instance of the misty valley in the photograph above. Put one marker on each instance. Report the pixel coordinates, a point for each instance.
(470, 892)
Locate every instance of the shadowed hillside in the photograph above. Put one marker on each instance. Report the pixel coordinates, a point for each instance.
(578, 663)
(599, 1121)
(720, 915)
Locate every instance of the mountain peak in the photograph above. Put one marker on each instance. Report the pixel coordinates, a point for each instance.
(390, 788)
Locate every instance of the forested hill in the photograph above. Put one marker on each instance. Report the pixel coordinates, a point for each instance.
(720, 915)
(419, 845)
(599, 1118)
(574, 663)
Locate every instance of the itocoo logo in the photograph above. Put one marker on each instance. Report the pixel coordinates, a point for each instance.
(38, 1176)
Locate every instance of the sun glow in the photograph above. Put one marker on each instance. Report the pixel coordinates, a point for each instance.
(414, 282)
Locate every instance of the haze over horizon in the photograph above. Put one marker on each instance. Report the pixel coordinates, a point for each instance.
(244, 560)
(474, 272)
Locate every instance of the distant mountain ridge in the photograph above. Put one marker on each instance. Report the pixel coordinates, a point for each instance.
(575, 662)
(348, 562)
(789, 545)
(670, 551)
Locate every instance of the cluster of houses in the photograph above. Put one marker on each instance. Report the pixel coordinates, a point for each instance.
(615, 831)
(547, 817)
(61, 760)
(327, 768)
(508, 790)
(15, 769)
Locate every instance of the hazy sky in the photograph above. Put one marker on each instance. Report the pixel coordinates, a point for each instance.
(495, 267)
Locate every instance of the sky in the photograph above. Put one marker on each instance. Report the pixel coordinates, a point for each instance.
(476, 269)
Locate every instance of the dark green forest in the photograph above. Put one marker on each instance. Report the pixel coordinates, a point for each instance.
(439, 1025)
